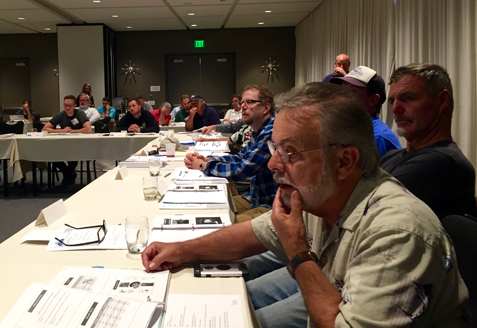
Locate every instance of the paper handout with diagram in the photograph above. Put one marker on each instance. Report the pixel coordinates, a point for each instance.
(195, 195)
(172, 228)
(43, 306)
(135, 284)
(218, 146)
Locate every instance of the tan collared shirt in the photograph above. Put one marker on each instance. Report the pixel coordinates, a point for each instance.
(388, 256)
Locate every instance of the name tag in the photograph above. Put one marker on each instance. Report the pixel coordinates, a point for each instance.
(74, 121)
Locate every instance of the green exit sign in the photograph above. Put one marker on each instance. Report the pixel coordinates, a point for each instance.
(199, 44)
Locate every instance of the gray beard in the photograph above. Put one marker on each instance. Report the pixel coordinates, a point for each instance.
(401, 132)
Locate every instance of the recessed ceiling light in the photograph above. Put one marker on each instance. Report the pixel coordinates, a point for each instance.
(268, 11)
(21, 18)
(96, 1)
(194, 25)
(191, 14)
(115, 16)
(128, 26)
(47, 29)
(261, 23)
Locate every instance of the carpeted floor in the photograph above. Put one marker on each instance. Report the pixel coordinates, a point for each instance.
(20, 208)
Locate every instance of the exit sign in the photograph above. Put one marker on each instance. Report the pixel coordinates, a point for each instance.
(199, 44)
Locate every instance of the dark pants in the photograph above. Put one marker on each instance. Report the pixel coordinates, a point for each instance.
(68, 171)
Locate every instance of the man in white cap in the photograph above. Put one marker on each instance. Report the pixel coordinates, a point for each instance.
(369, 86)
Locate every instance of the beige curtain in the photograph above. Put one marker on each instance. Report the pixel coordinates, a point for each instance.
(384, 35)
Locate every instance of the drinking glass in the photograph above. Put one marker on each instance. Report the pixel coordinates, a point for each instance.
(137, 233)
(154, 166)
(149, 187)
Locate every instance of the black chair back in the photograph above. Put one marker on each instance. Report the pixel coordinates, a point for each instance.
(463, 232)
(16, 128)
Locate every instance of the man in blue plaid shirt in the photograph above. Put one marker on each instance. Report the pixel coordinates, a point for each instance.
(258, 111)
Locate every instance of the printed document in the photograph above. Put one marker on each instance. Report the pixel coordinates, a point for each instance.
(45, 306)
(115, 239)
(135, 284)
(203, 311)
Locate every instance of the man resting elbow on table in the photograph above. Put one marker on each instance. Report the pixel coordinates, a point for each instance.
(251, 162)
(363, 250)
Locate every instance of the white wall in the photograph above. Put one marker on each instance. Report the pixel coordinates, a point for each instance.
(80, 60)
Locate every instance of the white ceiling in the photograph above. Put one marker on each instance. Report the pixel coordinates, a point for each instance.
(146, 15)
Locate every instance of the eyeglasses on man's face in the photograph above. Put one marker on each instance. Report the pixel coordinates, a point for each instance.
(101, 234)
(285, 156)
(250, 102)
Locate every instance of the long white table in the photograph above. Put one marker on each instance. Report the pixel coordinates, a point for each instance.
(112, 200)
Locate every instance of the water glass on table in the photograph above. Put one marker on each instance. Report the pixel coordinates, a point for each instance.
(154, 166)
(137, 233)
(149, 187)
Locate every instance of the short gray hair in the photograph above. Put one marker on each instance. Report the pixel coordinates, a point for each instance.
(165, 103)
(342, 116)
(435, 78)
(85, 94)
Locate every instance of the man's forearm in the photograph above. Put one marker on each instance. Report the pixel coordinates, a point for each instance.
(189, 126)
(230, 243)
(321, 298)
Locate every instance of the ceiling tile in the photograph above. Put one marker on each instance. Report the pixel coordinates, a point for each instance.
(30, 15)
(75, 4)
(145, 24)
(241, 21)
(89, 15)
(203, 11)
(276, 8)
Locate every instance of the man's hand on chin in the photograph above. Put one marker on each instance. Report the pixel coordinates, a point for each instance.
(288, 223)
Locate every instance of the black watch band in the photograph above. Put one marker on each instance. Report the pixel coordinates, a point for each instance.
(299, 259)
(201, 166)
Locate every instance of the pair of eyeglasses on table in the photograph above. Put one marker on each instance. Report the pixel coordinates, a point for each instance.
(101, 234)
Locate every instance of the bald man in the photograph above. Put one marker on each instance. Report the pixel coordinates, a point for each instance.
(341, 68)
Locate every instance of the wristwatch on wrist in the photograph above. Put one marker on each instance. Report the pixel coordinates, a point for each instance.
(299, 259)
(201, 166)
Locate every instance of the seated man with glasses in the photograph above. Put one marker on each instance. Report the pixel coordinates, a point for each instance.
(258, 111)
(71, 120)
(363, 250)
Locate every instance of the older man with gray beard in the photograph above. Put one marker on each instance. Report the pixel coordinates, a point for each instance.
(364, 252)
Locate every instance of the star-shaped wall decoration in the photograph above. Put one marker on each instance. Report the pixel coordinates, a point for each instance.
(271, 68)
(130, 71)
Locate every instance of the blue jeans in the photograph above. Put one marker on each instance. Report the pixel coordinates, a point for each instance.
(274, 294)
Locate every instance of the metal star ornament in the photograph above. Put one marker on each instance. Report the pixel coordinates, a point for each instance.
(271, 68)
(130, 72)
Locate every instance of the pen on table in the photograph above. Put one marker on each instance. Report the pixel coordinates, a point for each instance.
(160, 199)
(167, 175)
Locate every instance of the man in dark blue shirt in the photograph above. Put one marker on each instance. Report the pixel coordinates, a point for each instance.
(200, 114)
(137, 119)
(341, 68)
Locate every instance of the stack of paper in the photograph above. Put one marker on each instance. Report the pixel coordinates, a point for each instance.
(195, 196)
(79, 297)
(203, 311)
(173, 228)
(217, 146)
(184, 175)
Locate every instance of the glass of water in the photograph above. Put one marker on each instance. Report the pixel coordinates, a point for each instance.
(154, 166)
(137, 233)
(149, 187)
